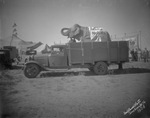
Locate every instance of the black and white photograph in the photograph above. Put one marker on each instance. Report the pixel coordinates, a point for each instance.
(74, 58)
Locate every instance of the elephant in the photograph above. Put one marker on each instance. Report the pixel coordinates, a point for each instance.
(82, 33)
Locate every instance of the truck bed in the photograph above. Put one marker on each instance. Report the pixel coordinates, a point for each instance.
(91, 52)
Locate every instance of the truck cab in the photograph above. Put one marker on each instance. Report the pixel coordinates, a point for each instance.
(58, 57)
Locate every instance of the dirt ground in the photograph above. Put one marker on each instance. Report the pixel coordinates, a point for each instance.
(77, 93)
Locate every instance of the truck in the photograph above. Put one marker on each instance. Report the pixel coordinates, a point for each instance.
(5, 58)
(96, 56)
(13, 52)
(8, 54)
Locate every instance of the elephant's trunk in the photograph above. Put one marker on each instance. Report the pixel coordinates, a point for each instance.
(65, 33)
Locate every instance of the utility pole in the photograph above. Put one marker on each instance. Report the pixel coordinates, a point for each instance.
(14, 33)
(125, 35)
(140, 39)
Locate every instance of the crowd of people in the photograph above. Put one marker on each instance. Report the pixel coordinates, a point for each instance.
(139, 55)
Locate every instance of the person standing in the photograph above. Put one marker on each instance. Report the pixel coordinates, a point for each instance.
(139, 54)
(136, 55)
(145, 55)
(132, 54)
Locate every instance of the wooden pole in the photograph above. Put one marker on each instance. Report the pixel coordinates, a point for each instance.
(140, 40)
(11, 40)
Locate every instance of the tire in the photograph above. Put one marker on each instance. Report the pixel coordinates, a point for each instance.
(100, 68)
(31, 70)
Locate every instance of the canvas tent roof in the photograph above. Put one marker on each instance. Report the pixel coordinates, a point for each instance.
(44, 48)
(47, 49)
(15, 41)
(34, 46)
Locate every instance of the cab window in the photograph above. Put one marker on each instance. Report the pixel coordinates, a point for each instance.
(58, 51)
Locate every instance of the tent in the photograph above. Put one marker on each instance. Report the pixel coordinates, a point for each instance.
(47, 49)
(34, 46)
(20, 44)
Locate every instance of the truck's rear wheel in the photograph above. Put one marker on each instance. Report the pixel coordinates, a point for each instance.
(100, 68)
(31, 70)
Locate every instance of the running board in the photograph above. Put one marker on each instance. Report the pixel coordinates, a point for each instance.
(55, 70)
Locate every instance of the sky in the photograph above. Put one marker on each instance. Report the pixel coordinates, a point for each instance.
(42, 20)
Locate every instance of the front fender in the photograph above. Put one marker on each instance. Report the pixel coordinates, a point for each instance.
(35, 62)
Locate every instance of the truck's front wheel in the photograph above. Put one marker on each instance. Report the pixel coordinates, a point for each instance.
(31, 70)
(100, 68)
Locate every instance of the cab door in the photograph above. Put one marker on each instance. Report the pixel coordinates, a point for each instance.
(58, 58)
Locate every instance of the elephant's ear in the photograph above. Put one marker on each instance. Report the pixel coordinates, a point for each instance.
(65, 33)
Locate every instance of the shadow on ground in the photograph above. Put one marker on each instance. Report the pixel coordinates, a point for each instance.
(89, 73)
(13, 67)
(17, 67)
(130, 71)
